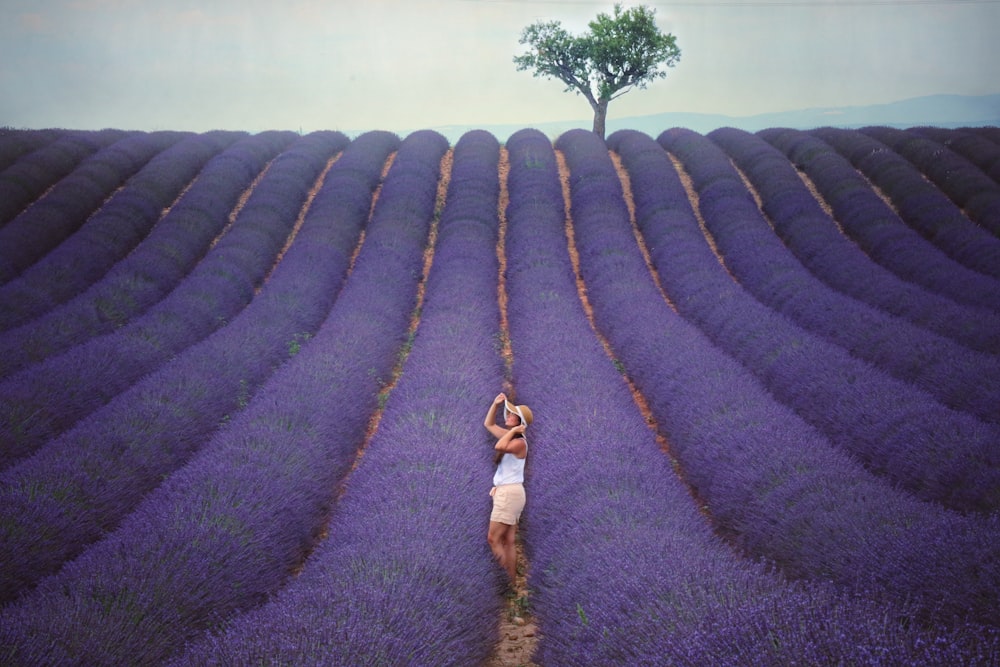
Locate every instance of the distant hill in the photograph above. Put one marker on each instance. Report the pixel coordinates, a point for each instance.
(936, 110)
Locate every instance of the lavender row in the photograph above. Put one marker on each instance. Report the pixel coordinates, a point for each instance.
(977, 149)
(227, 530)
(45, 399)
(404, 576)
(987, 132)
(958, 377)
(51, 219)
(873, 225)
(919, 202)
(961, 181)
(170, 251)
(32, 174)
(816, 242)
(624, 569)
(897, 430)
(110, 233)
(96, 472)
(16, 143)
(782, 490)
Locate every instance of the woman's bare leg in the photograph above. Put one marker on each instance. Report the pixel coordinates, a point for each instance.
(501, 539)
(510, 552)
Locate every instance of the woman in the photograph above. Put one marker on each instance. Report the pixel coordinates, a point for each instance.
(508, 481)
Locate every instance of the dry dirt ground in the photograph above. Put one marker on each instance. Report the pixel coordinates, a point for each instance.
(518, 636)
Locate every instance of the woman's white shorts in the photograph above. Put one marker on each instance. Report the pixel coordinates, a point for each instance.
(508, 503)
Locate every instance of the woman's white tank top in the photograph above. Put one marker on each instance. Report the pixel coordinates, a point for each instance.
(510, 470)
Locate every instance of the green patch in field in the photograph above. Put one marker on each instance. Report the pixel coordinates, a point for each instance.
(295, 345)
(520, 606)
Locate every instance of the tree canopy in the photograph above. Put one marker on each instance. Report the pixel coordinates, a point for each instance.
(622, 51)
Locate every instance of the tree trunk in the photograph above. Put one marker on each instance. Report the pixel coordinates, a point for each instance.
(600, 117)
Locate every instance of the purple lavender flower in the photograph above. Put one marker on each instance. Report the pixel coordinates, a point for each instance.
(110, 234)
(15, 144)
(42, 226)
(624, 569)
(31, 175)
(966, 185)
(974, 147)
(227, 529)
(101, 468)
(45, 399)
(920, 204)
(157, 264)
(219, 509)
(956, 376)
(404, 576)
(782, 489)
(874, 226)
(821, 247)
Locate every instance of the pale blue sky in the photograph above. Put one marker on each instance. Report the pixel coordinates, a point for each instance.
(405, 64)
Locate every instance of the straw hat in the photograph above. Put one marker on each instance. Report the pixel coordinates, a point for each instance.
(522, 411)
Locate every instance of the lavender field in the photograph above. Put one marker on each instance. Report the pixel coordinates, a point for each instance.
(243, 376)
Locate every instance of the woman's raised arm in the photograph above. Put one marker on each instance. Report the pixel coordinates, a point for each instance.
(490, 422)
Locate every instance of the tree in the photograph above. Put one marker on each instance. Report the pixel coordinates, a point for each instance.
(620, 52)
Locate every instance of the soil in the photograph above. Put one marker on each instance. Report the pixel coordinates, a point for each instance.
(518, 633)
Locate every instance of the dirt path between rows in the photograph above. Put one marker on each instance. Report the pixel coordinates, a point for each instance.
(518, 633)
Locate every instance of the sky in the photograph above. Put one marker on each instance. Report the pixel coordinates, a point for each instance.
(401, 65)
